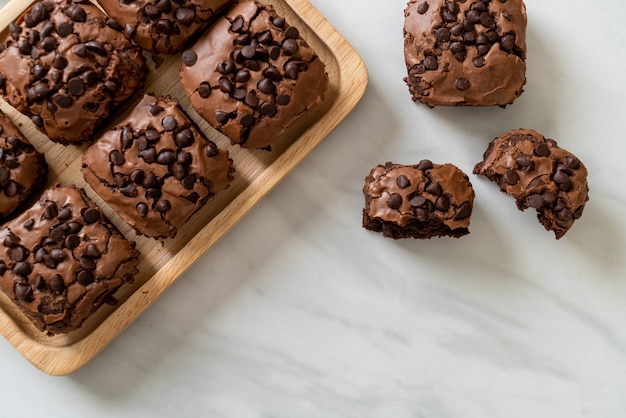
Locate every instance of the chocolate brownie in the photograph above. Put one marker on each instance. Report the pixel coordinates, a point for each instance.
(163, 26)
(538, 174)
(424, 200)
(67, 66)
(155, 168)
(251, 75)
(61, 259)
(23, 170)
(465, 52)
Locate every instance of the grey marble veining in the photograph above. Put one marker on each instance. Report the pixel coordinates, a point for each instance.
(299, 312)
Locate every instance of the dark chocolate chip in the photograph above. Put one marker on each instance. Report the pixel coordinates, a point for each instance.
(278, 21)
(221, 117)
(239, 94)
(189, 58)
(541, 150)
(443, 35)
(76, 86)
(166, 157)
(154, 109)
(237, 24)
(72, 241)
(246, 120)
(487, 20)
(430, 62)
(434, 188)
(185, 15)
(403, 182)
(394, 201)
(115, 25)
(211, 150)
(57, 283)
(282, 99)
(508, 42)
(184, 138)
(291, 70)
(19, 253)
(92, 251)
(169, 123)
(462, 212)
(273, 51)
(142, 209)
(478, 62)
(251, 99)
(268, 109)
(85, 277)
(22, 268)
(163, 206)
(77, 14)
(266, 86)
(462, 84)
(425, 165)
(290, 46)
(422, 8)
(204, 90)
(64, 214)
(417, 201)
(59, 62)
(188, 182)
(164, 5)
(572, 162)
(91, 215)
(24, 292)
(292, 32)
(65, 29)
(29, 224)
(442, 203)
(117, 157)
(148, 155)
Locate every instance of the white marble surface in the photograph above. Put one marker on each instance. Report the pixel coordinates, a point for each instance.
(299, 312)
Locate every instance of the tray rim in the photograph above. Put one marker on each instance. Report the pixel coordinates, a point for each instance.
(63, 360)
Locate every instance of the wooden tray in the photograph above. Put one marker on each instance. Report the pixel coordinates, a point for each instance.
(162, 263)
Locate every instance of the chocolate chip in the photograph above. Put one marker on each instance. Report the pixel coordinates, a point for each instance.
(72, 241)
(58, 254)
(189, 58)
(29, 224)
(237, 24)
(19, 253)
(478, 62)
(97, 48)
(541, 150)
(425, 165)
(221, 117)
(290, 46)
(251, 99)
(487, 20)
(292, 32)
(137, 176)
(77, 14)
(166, 157)
(92, 251)
(64, 214)
(462, 212)
(273, 51)
(422, 8)
(442, 35)
(434, 188)
(165, 26)
(430, 62)
(57, 283)
(239, 94)
(91, 215)
(65, 29)
(572, 162)
(148, 155)
(282, 99)
(278, 21)
(117, 157)
(403, 182)
(114, 24)
(268, 109)
(22, 269)
(163, 206)
(185, 15)
(508, 42)
(536, 201)
(291, 70)
(511, 177)
(448, 16)
(394, 201)
(462, 84)
(246, 120)
(184, 138)
(57, 234)
(164, 5)
(469, 37)
(226, 86)
(266, 86)
(24, 292)
(417, 201)
(24, 47)
(142, 209)
(204, 90)
(154, 109)
(169, 123)
(129, 31)
(272, 73)
(85, 277)
(442, 203)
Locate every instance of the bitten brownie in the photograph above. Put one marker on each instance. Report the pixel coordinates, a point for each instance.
(155, 168)
(60, 260)
(538, 174)
(465, 52)
(23, 170)
(67, 66)
(418, 201)
(251, 75)
(163, 26)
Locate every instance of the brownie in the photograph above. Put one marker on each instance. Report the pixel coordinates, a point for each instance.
(23, 170)
(538, 174)
(67, 66)
(163, 26)
(156, 169)
(465, 52)
(251, 75)
(422, 201)
(61, 259)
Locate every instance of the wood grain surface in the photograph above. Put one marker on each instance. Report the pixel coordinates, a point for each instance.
(163, 262)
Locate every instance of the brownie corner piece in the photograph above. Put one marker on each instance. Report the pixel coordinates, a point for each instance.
(252, 76)
(156, 168)
(61, 259)
(66, 66)
(465, 53)
(421, 201)
(23, 170)
(539, 174)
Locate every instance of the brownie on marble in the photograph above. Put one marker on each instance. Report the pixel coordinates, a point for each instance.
(251, 75)
(465, 52)
(155, 168)
(163, 26)
(538, 174)
(23, 170)
(67, 66)
(61, 259)
(422, 201)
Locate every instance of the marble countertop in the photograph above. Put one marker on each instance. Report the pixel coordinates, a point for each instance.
(300, 312)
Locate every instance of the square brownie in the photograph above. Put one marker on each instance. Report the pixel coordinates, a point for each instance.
(465, 52)
(61, 259)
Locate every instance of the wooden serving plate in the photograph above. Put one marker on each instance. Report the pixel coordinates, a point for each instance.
(163, 262)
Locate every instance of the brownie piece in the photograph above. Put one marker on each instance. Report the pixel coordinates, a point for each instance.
(155, 168)
(538, 174)
(61, 259)
(465, 52)
(424, 200)
(252, 76)
(23, 170)
(163, 26)
(67, 66)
